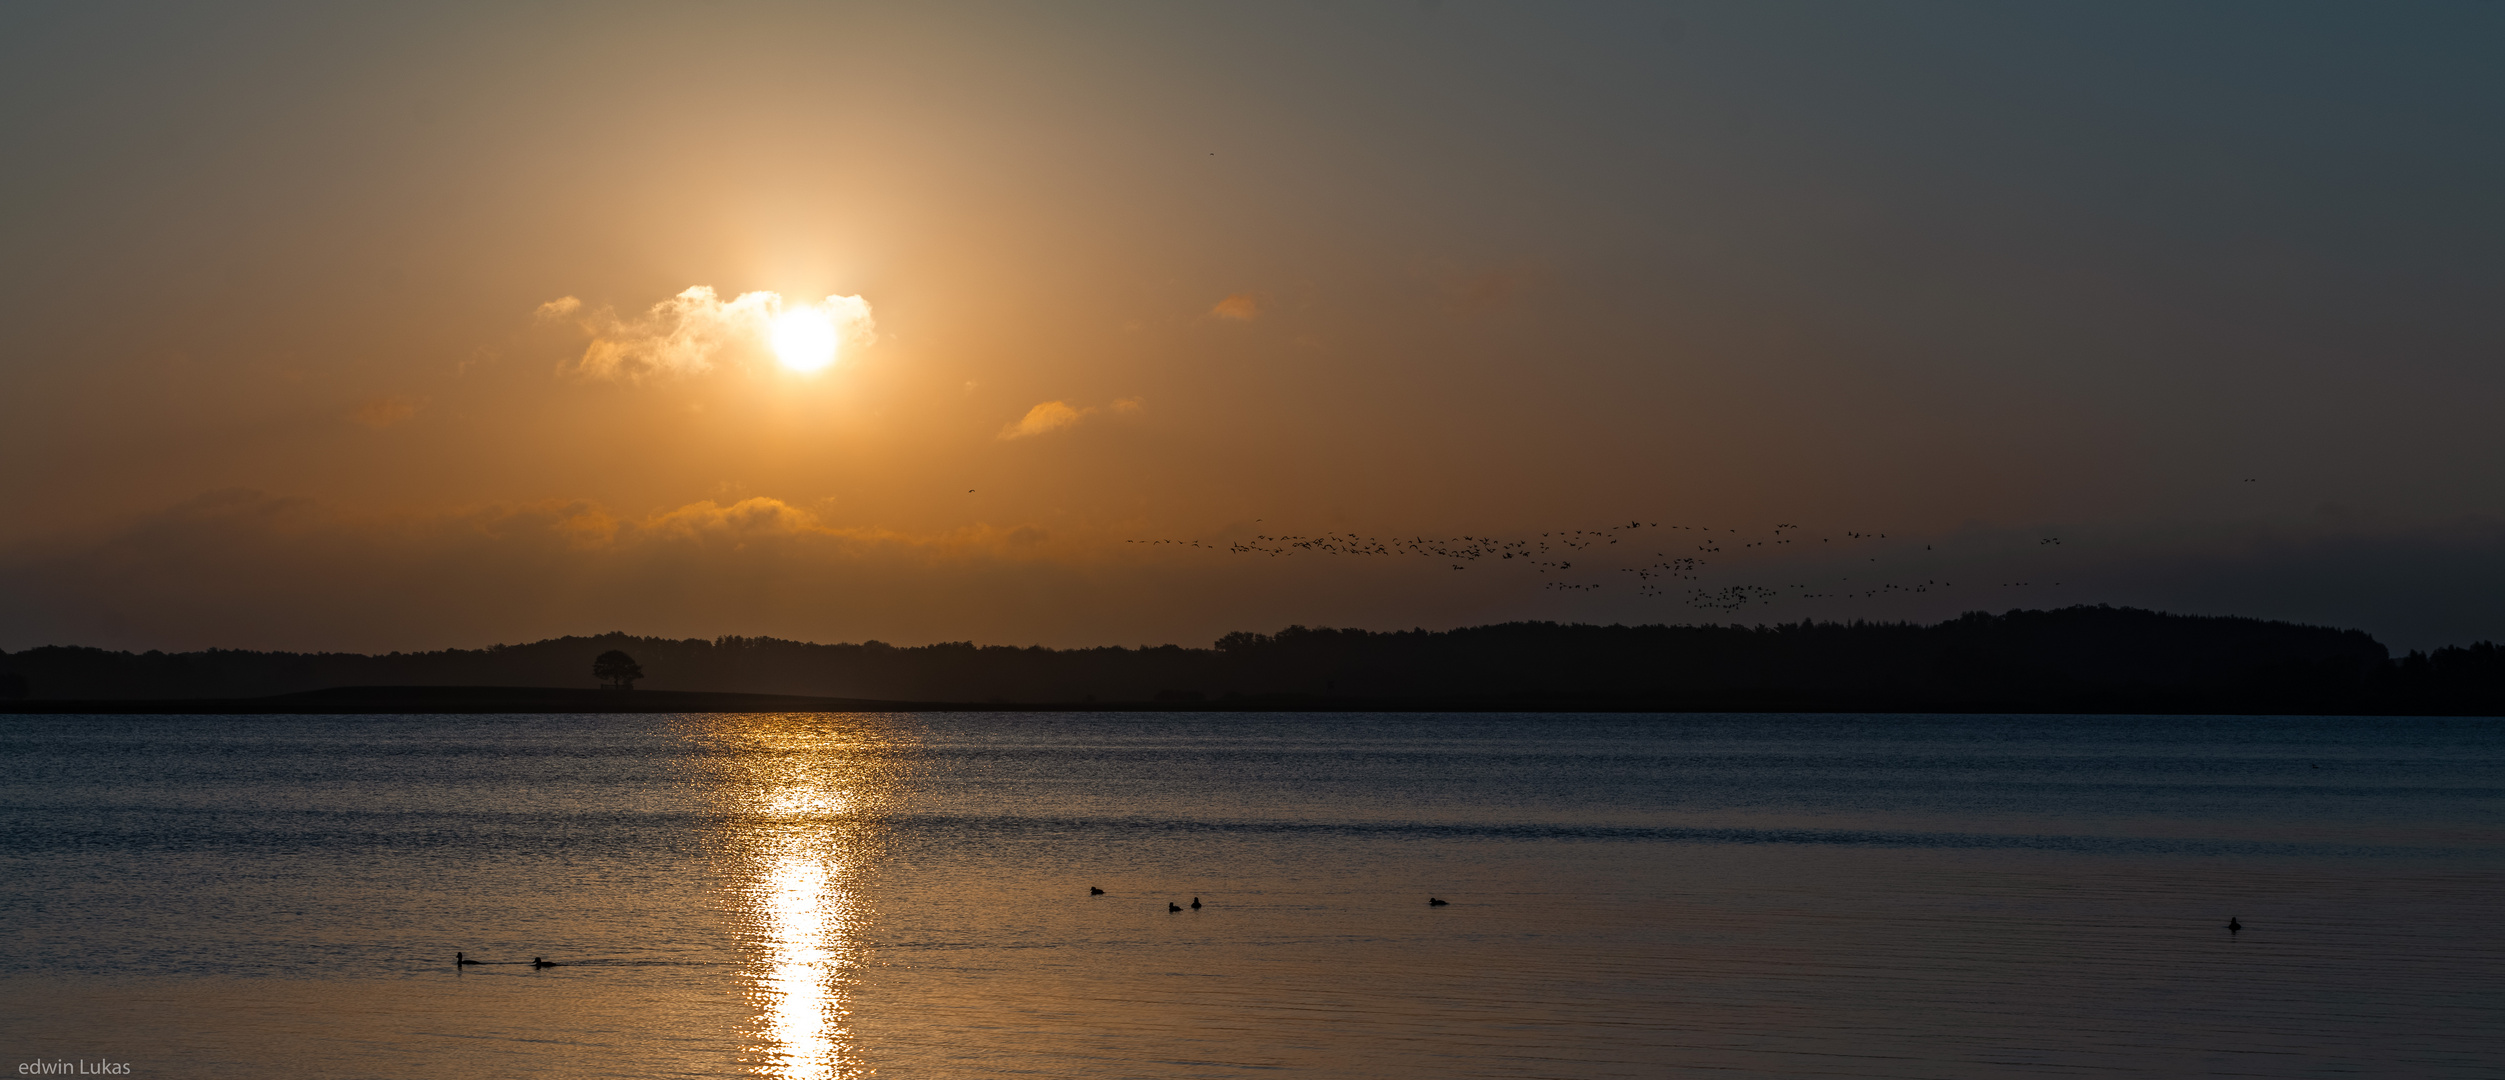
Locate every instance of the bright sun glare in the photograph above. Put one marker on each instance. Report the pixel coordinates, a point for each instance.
(804, 340)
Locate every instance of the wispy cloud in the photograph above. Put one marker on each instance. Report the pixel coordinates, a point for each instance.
(1242, 307)
(1054, 416)
(383, 412)
(685, 334)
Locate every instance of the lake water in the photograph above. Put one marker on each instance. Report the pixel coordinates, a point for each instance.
(907, 895)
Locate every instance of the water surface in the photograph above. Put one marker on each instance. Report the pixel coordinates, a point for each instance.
(907, 895)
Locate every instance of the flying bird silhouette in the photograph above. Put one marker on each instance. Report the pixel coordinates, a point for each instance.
(1551, 554)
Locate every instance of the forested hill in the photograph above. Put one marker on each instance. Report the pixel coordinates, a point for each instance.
(2080, 658)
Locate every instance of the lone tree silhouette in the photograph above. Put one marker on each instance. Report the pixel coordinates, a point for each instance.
(616, 670)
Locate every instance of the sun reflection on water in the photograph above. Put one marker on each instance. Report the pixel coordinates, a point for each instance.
(798, 991)
(799, 799)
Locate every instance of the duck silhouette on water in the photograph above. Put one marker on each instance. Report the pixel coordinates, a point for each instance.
(1195, 903)
(1094, 891)
(2234, 927)
(537, 962)
(460, 960)
(1433, 902)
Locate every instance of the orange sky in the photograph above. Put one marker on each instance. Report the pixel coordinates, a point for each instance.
(2212, 306)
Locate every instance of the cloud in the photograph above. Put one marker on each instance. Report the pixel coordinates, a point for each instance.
(1048, 417)
(740, 521)
(684, 334)
(382, 412)
(253, 570)
(242, 567)
(1242, 307)
(851, 316)
(1053, 416)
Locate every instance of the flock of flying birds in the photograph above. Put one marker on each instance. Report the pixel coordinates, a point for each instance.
(1650, 559)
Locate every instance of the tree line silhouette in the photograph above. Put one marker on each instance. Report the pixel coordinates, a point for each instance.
(2078, 659)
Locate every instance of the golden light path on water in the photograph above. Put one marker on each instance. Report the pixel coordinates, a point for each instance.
(798, 993)
(799, 798)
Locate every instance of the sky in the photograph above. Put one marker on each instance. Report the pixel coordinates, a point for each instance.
(397, 327)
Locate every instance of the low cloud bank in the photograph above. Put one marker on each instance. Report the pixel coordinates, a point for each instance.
(245, 569)
(249, 569)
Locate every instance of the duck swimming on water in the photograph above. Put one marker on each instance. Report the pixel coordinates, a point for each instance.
(1094, 891)
(539, 963)
(1195, 903)
(1433, 902)
(1172, 907)
(2234, 927)
(459, 960)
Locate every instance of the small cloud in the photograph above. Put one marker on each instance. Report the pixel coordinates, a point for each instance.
(1242, 307)
(1048, 417)
(559, 308)
(382, 412)
(1053, 416)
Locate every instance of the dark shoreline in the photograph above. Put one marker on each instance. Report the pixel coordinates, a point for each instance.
(2077, 660)
(526, 700)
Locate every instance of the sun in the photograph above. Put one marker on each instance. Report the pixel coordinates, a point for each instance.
(804, 340)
